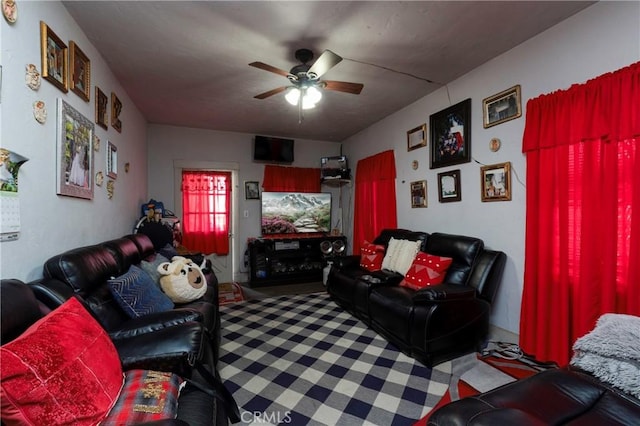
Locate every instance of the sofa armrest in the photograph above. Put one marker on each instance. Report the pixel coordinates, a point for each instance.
(173, 349)
(444, 292)
(51, 292)
(382, 278)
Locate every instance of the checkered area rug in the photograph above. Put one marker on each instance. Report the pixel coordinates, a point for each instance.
(303, 360)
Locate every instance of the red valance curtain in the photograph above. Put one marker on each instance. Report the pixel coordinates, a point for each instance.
(583, 211)
(296, 179)
(206, 201)
(375, 198)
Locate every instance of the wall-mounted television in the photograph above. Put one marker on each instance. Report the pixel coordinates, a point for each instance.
(273, 150)
(295, 212)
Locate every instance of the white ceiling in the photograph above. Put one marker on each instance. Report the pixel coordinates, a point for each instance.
(186, 63)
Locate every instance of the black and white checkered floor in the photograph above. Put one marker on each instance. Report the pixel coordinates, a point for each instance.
(303, 360)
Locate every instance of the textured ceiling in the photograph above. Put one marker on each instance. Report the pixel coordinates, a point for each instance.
(186, 63)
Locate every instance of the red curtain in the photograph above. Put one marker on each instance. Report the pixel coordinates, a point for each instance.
(296, 179)
(583, 211)
(375, 198)
(206, 201)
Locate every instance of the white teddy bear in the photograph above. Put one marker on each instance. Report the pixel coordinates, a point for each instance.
(182, 280)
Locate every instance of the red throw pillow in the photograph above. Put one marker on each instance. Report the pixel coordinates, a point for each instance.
(63, 370)
(426, 270)
(371, 256)
(146, 396)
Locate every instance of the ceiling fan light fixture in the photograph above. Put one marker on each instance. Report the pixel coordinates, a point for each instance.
(312, 95)
(293, 95)
(309, 100)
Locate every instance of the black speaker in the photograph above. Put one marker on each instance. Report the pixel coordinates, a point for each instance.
(333, 246)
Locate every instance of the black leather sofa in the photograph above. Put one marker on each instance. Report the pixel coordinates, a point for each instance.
(196, 407)
(84, 272)
(176, 340)
(433, 324)
(565, 396)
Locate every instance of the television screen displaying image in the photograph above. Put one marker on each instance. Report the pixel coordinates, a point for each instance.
(296, 212)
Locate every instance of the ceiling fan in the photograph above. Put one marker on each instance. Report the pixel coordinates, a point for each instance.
(305, 79)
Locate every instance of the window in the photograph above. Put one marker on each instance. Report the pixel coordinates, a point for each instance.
(206, 200)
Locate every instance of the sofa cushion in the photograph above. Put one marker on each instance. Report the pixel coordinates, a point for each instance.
(400, 255)
(371, 256)
(147, 396)
(63, 369)
(137, 294)
(426, 270)
(150, 266)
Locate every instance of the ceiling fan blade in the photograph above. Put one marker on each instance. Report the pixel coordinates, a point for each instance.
(343, 86)
(325, 62)
(269, 68)
(271, 92)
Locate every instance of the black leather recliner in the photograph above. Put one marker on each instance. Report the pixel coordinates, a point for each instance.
(565, 396)
(436, 323)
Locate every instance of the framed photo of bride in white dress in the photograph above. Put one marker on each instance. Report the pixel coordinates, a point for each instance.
(75, 153)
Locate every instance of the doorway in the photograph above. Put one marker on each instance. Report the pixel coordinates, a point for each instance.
(223, 265)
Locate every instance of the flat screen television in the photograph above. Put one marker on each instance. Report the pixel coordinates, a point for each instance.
(273, 150)
(295, 212)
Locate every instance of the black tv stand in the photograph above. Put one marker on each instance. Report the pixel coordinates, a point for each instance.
(290, 260)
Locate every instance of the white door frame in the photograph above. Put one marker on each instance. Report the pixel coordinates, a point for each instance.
(233, 167)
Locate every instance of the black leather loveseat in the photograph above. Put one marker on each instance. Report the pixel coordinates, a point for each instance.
(433, 324)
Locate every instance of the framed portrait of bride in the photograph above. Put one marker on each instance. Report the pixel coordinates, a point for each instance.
(74, 163)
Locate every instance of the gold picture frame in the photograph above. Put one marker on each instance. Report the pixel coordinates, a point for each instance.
(116, 109)
(55, 60)
(102, 114)
(418, 194)
(417, 137)
(75, 153)
(80, 77)
(495, 181)
(501, 107)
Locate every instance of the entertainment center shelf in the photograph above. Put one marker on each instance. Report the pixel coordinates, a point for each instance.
(290, 260)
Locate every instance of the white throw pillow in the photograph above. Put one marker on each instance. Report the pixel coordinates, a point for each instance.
(400, 255)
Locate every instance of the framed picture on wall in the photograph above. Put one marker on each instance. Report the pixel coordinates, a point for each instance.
(501, 107)
(419, 194)
(75, 153)
(252, 190)
(116, 110)
(417, 137)
(449, 186)
(80, 76)
(496, 182)
(55, 62)
(102, 114)
(451, 135)
(112, 161)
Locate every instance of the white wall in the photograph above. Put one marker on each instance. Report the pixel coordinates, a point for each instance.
(602, 38)
(52, 223)
(167, 145)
